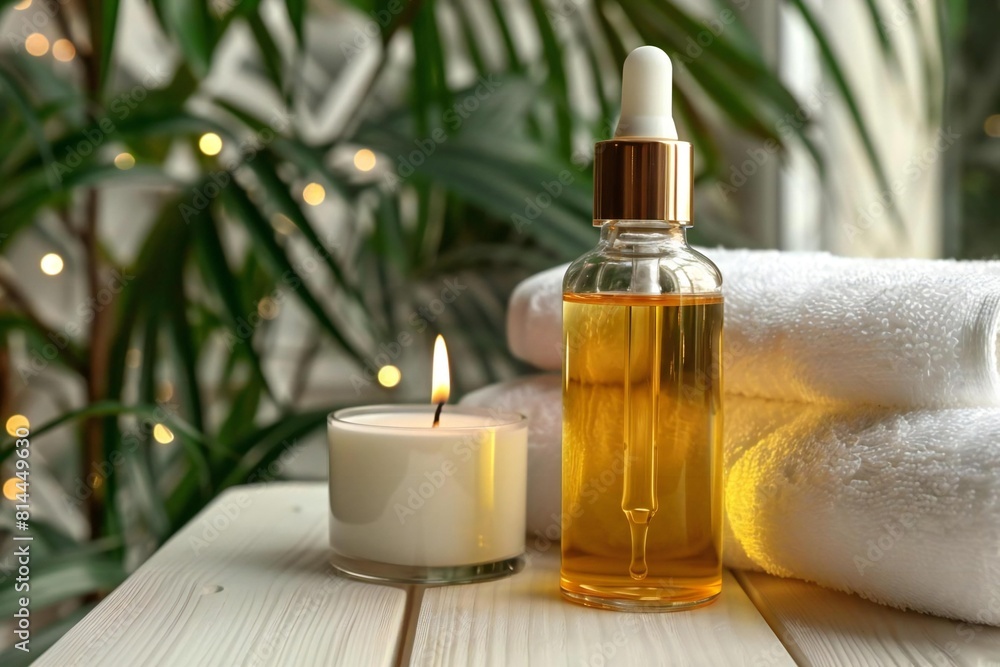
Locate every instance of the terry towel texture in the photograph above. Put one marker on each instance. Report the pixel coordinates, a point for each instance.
(900, 507)
(819, 328)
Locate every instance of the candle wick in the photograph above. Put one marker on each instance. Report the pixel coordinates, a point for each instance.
(437, 415)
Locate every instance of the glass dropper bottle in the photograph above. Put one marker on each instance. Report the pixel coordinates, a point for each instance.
(642, 386)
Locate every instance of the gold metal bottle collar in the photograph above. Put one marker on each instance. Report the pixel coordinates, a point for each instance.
(643, 179)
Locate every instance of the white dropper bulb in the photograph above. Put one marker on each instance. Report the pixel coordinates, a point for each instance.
(647, 81)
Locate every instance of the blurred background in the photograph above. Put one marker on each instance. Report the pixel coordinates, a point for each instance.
(220, 220)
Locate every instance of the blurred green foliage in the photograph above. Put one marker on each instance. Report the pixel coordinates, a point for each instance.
(972, 168)
(461, 197)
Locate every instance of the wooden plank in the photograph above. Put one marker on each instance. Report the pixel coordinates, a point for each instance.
(247, 582)
(523, 620)
(825, 628)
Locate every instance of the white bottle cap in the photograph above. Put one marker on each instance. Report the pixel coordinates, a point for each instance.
(647, 81)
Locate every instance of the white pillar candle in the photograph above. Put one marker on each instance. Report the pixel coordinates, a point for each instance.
(405, 494)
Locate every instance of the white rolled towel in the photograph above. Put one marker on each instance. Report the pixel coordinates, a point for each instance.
(819, 328)
(900, 507)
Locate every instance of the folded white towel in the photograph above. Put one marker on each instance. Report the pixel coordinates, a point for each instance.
(815, 327)
(900, 507)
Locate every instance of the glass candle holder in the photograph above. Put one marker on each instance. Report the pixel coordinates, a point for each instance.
(412, 503)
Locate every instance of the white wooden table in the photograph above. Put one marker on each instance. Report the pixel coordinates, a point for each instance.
(247, 583)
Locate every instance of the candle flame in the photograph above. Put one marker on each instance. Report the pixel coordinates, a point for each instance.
(440, 378)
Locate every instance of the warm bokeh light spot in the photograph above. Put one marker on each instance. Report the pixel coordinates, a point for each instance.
(12, 487)
(313, 194)
(36, 44)
(389, 376)
(165, 391)
(124, 161)
(282, 224)
(210, 143)
(268, 308)
(15, 422)
(63, 50)
(364, 160)
(992, 125)
(133, 358)
(51, 264)
(162, 434)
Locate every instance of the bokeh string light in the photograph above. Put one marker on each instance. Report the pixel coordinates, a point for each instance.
(210, 143)
(389, 376)
(36, 44)
(314, 194)
(162, 434)
(124, 161)
(51, 264)
(364, 160)
(63, 50)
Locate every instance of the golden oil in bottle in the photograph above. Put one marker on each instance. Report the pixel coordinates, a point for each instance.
(642, 434)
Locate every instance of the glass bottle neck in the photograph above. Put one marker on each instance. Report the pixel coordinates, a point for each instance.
(643, 237)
